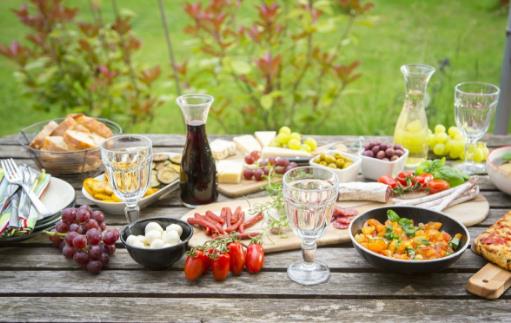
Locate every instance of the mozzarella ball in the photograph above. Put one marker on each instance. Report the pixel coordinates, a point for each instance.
(152, 235)
(175, 227)
(157, 243)
(152, 226)
(132, 239)
(171, 237)
(138, 244)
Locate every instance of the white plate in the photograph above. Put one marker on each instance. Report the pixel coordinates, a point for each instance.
(118, 207)
(59, 195)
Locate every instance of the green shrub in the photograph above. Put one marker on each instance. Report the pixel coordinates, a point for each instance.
(72, 66)
(273, 69)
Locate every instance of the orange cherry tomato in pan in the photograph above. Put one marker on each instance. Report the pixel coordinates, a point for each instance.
(437, 185)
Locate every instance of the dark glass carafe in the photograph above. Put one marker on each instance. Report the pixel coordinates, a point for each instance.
(198, 171)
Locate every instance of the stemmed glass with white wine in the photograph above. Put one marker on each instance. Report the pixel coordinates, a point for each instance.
(309, 197)
(474, 105)
(127, 160)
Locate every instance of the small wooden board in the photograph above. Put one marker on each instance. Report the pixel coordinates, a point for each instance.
(243, 188)
(246, 187)
(468, 213)
(489, 282)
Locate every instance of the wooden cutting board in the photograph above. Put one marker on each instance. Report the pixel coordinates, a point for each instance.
(243, 188)
(489, 282)
(246, 187)
(468, 213)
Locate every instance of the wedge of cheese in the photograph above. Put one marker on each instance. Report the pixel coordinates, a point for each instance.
(265, 137)
(283, 152)
(229, 171)
(247, 144)
(222, 149)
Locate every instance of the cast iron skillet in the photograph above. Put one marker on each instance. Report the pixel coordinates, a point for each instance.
(418, 215)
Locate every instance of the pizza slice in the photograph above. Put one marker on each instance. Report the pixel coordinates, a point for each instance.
(494, 244)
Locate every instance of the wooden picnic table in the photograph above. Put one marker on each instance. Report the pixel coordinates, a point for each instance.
(38, 284)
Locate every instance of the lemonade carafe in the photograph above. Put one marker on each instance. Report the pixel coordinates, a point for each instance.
(412, 125)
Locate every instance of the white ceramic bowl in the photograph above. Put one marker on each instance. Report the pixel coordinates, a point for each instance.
(497, 177)
(374, 168)
(348, 174)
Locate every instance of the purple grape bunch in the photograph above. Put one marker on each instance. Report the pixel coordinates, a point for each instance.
(82, 235)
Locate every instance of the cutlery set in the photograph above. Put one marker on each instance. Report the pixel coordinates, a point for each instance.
(20, 206)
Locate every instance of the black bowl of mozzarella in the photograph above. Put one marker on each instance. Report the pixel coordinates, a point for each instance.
(156, 243)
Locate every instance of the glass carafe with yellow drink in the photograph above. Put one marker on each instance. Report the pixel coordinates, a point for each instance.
(412, 125)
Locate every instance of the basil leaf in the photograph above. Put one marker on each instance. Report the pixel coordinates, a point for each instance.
(424, 241)
(410, 252)
(454, 243)
(393, 216)
(452, 175)
(389, 234)
(408, 227)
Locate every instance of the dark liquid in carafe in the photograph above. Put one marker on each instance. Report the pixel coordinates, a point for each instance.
(198, 171)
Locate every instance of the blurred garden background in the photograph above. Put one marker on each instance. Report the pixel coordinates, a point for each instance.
(351, 83)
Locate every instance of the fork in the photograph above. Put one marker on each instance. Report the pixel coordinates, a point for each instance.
(14, 176)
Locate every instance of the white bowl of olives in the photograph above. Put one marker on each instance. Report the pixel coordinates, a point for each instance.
(379, 159)
(346, 166)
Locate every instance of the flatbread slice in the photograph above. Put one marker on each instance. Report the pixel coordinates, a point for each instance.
(494, 244)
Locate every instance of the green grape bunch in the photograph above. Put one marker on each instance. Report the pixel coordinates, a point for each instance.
(451, 143)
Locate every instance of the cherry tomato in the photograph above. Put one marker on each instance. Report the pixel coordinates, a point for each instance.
(237, 255)
(403, 176)
(424, 179)
(220, 264)
(387, 180)
(195, 265)
(255, 258)
(437, 185)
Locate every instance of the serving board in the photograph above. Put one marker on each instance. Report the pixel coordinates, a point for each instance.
(243, 188)
(489, 282)
(468, 213)
(246, 187)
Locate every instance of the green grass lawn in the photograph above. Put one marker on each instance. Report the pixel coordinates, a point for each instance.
(468, 34)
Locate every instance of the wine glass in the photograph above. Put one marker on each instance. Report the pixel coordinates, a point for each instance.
(309, 197)
(127, 160)
(474, 104)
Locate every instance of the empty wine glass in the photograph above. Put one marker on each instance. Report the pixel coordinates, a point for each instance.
(127, 160)
(309, 197)
(474, 104)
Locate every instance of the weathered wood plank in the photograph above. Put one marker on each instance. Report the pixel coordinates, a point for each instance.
(119, 283)
(86, 309)
(338, 259)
